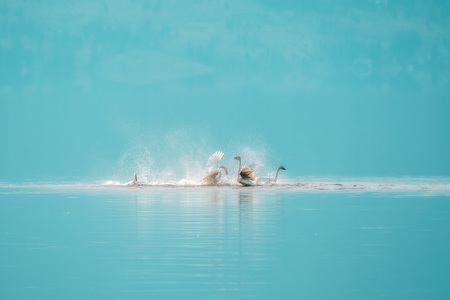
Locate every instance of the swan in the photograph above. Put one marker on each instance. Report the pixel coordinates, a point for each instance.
(265, 180)
(134, 182)
(246, 175)
(212, 173)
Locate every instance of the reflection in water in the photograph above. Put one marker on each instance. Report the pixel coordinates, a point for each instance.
(245, 196)
(202, 236)
(215, 196)
(222, 243)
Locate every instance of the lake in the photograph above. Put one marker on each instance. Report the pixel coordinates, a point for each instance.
(322, 240)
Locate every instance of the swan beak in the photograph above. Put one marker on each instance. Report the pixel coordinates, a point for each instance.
(282, 168)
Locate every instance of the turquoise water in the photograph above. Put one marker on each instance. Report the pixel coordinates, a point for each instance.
(310, 240)
(92, 90)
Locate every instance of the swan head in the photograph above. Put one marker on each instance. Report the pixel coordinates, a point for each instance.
(224, 168)
(282, 168)
(238, 158)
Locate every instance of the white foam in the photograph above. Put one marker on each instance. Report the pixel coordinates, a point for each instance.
(424, 186)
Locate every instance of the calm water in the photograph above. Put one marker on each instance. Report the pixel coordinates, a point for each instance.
(223, 242)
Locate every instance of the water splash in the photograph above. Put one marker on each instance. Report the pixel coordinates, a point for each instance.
(180, 155)
(402, 187)
(136, 159)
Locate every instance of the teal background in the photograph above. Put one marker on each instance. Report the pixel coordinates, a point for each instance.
(94, 91)
(326, 88)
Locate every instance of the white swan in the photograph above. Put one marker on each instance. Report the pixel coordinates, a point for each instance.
(212, 173)
(246, 175)
(266, 180)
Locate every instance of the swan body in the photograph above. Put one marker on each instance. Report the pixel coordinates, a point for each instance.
(213, 172)
(246, 175)
(265, 180)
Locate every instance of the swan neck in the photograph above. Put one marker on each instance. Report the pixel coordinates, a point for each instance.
(239, 170)
(276, 174)
(225, 169)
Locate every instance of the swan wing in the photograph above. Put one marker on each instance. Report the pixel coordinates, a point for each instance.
(211, 177)
(247, 173)
(213, 161)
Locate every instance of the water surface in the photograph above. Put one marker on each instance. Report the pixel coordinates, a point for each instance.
(312, 241)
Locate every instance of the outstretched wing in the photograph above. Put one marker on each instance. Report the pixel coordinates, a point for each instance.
(213, 161)
(248, 172)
